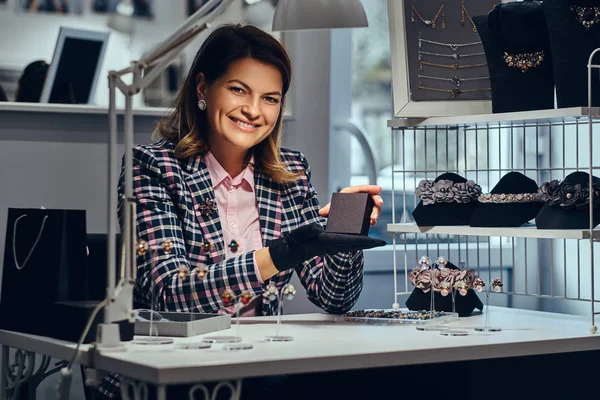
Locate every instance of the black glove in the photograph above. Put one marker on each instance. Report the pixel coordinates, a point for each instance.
(308, 241)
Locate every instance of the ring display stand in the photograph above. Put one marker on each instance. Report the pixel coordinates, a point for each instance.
(153, 340)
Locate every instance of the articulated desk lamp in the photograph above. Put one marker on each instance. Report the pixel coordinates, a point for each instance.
(289, 15)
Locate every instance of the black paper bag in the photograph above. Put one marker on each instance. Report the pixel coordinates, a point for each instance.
(44, 262)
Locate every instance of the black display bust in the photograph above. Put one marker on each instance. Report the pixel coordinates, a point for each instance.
(572, 43)
(508, 214)
(557, 217)
(517, 28)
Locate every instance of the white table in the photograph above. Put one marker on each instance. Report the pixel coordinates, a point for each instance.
(325, 343)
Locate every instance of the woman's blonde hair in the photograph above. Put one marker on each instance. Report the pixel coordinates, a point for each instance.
(187, 126)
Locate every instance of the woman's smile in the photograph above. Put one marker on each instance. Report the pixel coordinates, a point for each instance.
(244, 125)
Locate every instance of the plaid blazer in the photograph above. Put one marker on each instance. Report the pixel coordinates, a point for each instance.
(170, 195)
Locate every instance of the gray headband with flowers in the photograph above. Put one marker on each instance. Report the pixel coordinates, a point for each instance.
(447, 191)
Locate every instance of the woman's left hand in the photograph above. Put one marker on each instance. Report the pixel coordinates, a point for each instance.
(373, 190)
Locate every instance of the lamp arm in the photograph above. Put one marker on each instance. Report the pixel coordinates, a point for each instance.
(162, 63)
(360, 134)
(189, 24)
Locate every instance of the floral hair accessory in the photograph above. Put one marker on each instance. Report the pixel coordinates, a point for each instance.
(447, 191)
(444, 280)
(421, 278)
(568, 195)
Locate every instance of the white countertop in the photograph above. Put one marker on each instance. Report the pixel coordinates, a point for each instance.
(324, 342)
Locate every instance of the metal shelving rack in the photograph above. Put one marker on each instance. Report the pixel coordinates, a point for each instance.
(544, 145)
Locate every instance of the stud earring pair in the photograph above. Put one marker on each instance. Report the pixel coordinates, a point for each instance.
(202, 104)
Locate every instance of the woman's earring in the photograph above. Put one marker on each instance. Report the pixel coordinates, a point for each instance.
(202, 104)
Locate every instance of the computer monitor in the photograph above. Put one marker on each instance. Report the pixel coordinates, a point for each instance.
(75, 66)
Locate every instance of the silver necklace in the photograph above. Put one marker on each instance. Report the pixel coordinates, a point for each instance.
(453, 46)
(455, 79)
(456, 56)
(20, 267)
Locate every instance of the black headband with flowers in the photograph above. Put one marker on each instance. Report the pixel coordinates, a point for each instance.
(568, 195)
(447, 191)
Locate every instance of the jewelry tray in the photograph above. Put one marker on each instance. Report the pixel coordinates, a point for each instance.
(180, 324)
(442, 317)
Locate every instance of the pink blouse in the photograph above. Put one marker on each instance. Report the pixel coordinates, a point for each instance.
(238, 212)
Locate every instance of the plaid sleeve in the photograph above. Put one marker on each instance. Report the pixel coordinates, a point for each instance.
(332, 283)
(160, 213)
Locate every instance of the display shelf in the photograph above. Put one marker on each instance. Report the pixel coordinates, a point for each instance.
(522, 232)
(534, 118)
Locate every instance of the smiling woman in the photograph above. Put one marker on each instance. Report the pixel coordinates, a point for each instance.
(236, 212)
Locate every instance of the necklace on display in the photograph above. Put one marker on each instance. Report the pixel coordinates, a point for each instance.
(463, 12)
(454, 92)
(428, 22)
(455, 79)
(20, 267)
(456, 56)
(587, 16)
(524, 61)
(449, 66)
(453, 46)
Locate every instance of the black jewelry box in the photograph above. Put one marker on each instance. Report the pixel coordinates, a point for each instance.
(350, 213)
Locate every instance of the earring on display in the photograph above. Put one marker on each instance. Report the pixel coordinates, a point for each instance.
(272, 293)
(202, 104)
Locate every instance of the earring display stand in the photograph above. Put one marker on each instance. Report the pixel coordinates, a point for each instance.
(449, 331)
(232, 342)
(496, 287)
(228, 338)
(288, 292)
(153, 340)
(431, 328)
(237, 345)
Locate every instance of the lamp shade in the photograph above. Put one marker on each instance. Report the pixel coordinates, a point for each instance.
(319, 14)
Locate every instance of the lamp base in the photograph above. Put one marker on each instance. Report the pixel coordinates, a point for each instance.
(109, 338)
